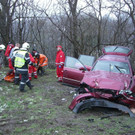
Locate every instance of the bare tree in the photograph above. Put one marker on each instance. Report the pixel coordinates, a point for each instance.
(80, 29)
(6, 14)
(67, 23)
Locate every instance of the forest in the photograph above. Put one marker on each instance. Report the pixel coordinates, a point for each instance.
(80, 26)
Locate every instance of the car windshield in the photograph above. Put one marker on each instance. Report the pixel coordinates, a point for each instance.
(112, 66)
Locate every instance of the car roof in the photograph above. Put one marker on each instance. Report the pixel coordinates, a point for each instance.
(114, 58)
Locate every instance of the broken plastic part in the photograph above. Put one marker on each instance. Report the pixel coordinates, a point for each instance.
(94, 102)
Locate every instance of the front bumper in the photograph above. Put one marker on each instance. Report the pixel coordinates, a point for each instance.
(94, 102)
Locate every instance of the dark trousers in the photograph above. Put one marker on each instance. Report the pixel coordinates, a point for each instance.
(24, 79)
(40, 69)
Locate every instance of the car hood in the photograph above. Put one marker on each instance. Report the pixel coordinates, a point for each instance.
(107, 80)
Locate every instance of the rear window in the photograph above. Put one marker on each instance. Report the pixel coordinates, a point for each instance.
(117, 49)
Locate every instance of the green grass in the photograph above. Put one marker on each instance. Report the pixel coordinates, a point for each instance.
(44, 111)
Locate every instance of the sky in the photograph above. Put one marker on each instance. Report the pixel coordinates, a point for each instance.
(52, 4)
(81, 3)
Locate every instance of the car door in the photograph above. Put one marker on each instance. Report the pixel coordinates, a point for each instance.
(73, 71)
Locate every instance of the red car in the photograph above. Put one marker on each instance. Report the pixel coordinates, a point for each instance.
(110, 82)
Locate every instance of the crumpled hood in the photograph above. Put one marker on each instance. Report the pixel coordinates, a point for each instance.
(107, 80)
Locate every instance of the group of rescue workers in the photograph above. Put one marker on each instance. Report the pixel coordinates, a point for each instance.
(23, 64)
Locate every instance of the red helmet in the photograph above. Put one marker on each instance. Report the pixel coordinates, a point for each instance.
(59, 46)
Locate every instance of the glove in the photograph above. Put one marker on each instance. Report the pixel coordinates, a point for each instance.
(59, 66)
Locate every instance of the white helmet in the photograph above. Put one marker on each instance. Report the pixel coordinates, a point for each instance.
(25, 45)
(2, 47)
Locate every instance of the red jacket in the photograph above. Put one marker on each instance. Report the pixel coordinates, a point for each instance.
(60, 58)
(31, 58)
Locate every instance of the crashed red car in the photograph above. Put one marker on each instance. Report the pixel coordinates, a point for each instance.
(110, 83)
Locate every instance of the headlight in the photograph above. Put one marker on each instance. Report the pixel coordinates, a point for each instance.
(121, 91)
(128, 91)
(125, 91)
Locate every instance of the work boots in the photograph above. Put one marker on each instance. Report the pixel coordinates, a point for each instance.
(23, 90)
(31, 86)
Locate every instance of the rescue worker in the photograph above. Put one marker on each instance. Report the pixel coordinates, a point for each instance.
(11, 73)
(14, 49)
(20, 61)
(60, 59)
(41, 61)
(34, 51)
(7, 54)
(2, 48)
(32, 68)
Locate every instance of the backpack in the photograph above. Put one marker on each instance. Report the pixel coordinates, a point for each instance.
(8, 49)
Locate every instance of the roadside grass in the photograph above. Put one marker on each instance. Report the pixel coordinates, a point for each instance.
(44, 111)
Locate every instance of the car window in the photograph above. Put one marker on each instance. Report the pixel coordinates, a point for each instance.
(117, 49)
(112, 66)
(73, 63)
(87, 60)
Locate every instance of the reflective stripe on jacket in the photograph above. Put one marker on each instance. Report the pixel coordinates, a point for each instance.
(20, 58)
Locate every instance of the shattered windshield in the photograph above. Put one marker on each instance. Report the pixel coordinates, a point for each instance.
(112, 66)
